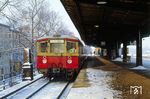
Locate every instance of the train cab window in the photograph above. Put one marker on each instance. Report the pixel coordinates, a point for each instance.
(44, 47)
(71, 47)
(57, 47)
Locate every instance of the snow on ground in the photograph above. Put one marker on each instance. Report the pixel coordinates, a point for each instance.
(146, 63)
(139, 68)
(15, 87)
(118, 59)
(99, 87)
(8, 82)
(27, 91)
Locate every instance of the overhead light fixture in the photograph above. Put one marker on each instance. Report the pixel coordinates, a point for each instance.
(96, 26)
(101, 2)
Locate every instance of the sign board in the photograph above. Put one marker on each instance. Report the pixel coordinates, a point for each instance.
(56, 41)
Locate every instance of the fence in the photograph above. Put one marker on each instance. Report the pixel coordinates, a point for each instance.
(11, 61)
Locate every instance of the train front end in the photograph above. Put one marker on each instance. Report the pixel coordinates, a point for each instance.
(58, 57)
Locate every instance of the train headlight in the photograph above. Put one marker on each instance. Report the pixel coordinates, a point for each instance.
(44, 60)
(69, 61)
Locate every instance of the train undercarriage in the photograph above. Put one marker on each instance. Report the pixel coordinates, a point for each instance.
(67, 74)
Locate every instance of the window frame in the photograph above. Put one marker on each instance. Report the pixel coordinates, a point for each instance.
(40, 48)
(75, 44)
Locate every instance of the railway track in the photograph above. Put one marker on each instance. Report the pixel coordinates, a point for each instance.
(54, 90)
(5, 95)
(40, 88)
(30, 90)
(64, 93)
(58, 90)
(26, 91)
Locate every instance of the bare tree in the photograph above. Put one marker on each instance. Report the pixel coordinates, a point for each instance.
(35, 19)
(25, 19)
(50, 23)
(4, 4)
(34, 9)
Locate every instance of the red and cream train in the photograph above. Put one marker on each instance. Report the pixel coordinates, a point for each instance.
(59, 55)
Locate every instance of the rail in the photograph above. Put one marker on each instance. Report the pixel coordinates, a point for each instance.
(11, 93)
(28, 97)
(63, 91)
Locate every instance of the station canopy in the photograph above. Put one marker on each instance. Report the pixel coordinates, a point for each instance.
(109, 20)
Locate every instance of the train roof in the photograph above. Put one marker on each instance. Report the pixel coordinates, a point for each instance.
(58, 36)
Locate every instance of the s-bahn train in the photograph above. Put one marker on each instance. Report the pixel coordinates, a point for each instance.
(59, 55)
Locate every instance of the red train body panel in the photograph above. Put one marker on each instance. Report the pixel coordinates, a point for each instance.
(57, 62)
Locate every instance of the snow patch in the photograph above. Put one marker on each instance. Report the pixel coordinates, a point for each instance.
(139, 68)
(118, 59)
(16, 87)
(27, 64)
(100, 86)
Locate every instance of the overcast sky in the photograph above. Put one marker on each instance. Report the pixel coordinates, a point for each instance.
(58, 7)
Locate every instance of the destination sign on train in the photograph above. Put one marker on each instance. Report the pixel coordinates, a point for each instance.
(56, 41)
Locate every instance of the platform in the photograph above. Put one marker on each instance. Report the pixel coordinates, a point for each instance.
(103, 79)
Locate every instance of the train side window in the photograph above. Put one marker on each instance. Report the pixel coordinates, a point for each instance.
(71, 47)
(44, 47)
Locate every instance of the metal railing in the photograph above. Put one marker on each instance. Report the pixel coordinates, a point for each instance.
(11, 61)
(9, 80)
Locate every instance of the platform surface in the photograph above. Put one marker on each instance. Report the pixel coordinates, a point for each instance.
(103, 79)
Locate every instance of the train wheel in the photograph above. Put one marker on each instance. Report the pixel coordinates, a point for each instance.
(69, 75)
